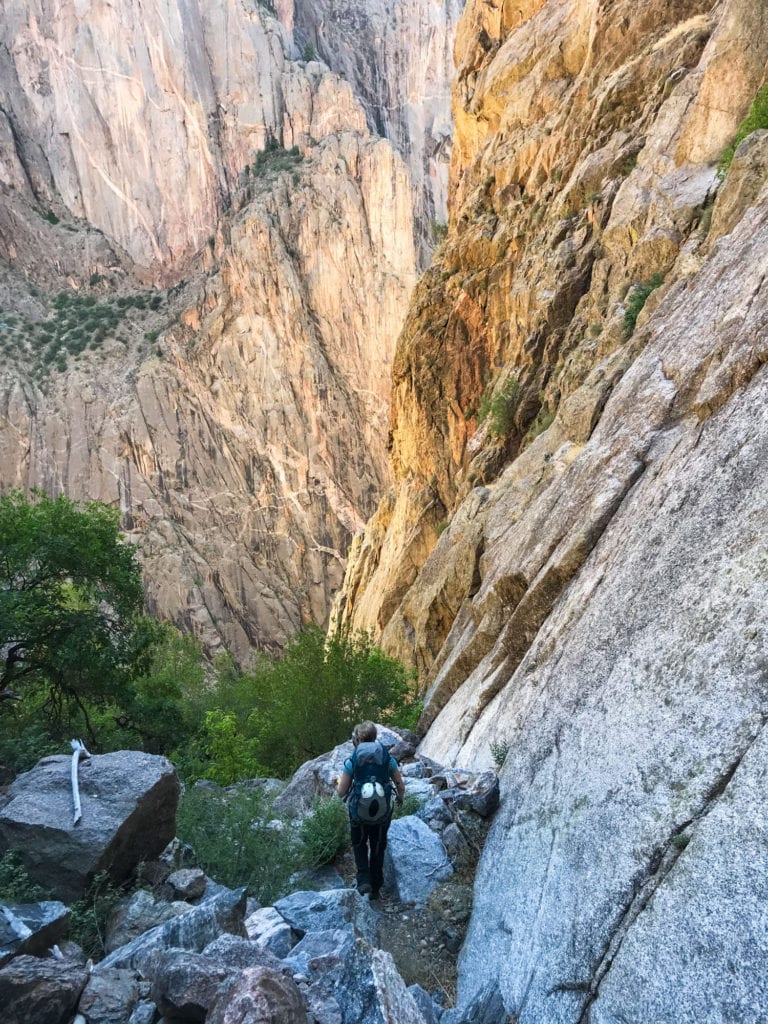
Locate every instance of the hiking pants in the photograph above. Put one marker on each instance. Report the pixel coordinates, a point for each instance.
(368, 845)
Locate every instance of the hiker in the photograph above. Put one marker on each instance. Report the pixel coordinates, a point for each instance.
(367, 779)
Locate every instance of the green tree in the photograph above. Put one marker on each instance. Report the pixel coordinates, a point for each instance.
(72, 632)
(308, 700)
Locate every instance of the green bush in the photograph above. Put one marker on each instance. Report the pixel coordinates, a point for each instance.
(499, 751)
(233, 844)
(15, 884)
(309, 52)
(499, 408)
(756, 118)
(638, 296)
(325, 831)
(89, 915)
(410, 805)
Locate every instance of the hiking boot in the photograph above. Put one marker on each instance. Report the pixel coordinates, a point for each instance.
(364, 888)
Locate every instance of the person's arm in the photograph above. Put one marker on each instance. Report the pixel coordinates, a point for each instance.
(397, 778)
(343, 784)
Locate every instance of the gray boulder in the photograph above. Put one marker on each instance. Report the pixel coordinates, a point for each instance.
(456, 846)
(436, 813)
(109, 997)
(322, 1006)
(144, 1012)
(321, 951)
(326, 877)
(136, 915)
(259, 996)
(186, 985)
(335, 908)
(40, 991)
(468, 791)
(415, 861)
(317, 778)
(129, 813)
(269, 929)
(236, 952)
(430, 1011)
(187, 883)
(30, 927)
(192, 931)
(369, 990)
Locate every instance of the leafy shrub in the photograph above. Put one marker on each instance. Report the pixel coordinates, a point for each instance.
(51, 217)
(638, 296)
(232, 756)
(499, 409)
(309, 52)
(439, 231)
(441, 527)
(499, 751)
(325, 831)
(89, 915)
(410, 805)
(235, 845)
(544, 419)
(757, 117)
(15, 884)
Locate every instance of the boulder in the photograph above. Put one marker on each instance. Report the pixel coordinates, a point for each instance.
(326, 877)
(136, 915)
(186, 985)
(259, 996)
(335, 908)
(109, 997)
(369, 990)
(322, 1006)
(430, 1010)
(192, 931)
(129, 813)
(144, 1012)
(187, 883)
(40, 991)
(321, 951)
(317, 778)
(472, 791)
(456, 846)
(30, 927)
(237, 952)
(415, 861)
(436, 813)
(269, 929)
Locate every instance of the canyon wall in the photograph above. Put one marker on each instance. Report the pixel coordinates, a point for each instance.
(573, 553)
(250, 248)
(398, 58)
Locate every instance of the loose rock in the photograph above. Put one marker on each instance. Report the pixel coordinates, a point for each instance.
(319, 911)
(259, 996)
(129, 814)
(415, 861)
(37, 991)
(30, 928)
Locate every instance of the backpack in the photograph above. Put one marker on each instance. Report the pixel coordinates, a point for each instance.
(371, 800)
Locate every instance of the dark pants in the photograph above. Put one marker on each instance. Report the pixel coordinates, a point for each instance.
(368, 845)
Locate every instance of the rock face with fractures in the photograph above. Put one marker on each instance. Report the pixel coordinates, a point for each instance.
(579, 576)
(398, 57)
(244, 437)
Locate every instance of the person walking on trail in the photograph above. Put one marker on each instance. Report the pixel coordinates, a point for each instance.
(367, 780)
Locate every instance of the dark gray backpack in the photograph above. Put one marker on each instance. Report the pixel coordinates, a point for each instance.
(371, 801)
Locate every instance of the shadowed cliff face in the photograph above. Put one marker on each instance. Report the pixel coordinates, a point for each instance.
(239, 417)
(579, 576)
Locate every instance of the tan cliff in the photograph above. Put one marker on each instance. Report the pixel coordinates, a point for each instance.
(239, 418)
(579, 574)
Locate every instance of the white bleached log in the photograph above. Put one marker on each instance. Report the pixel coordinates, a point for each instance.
(78, 751)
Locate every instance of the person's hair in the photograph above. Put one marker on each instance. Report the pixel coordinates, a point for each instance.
(365, 732)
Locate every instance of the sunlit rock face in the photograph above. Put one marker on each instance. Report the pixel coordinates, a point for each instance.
(578, 574)
(398, 57)
(240, 425)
